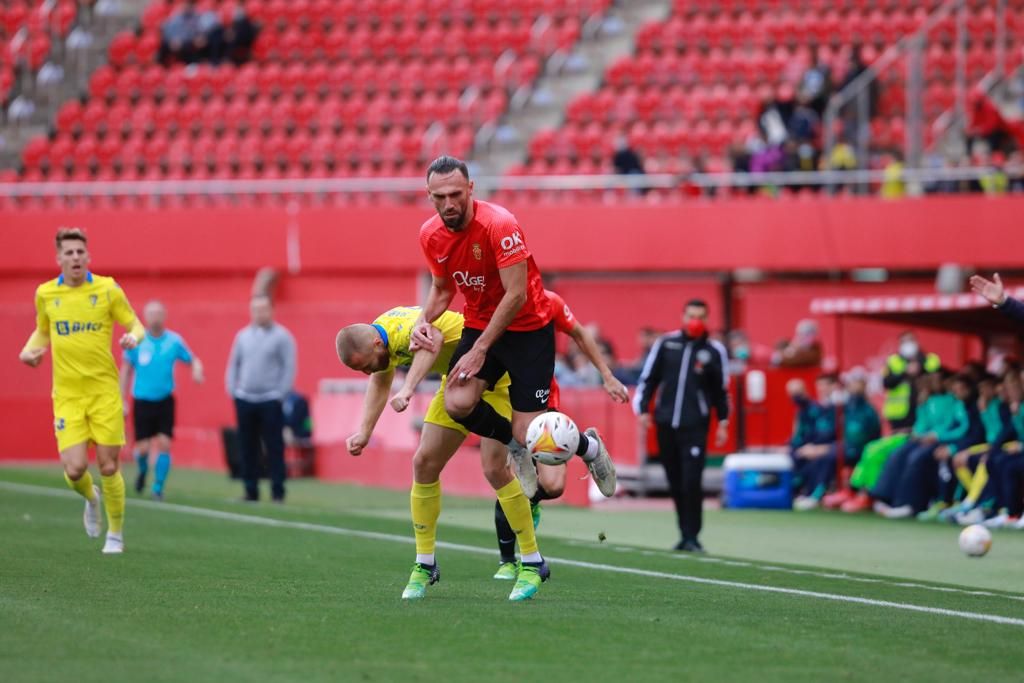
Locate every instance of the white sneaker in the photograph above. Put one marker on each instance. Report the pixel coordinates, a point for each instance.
(997, 522)
(91, 517)
(526, 468)
(975, 516)
(114, 544)
(602, 469)
(881, 508)
(901, 512)
(805, 503)
(1016, 524)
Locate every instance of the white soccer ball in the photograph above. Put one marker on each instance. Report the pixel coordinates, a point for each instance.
(552, 438)
(975, 540)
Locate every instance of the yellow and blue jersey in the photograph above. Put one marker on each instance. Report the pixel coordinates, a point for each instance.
(395, 327)
(78, 324)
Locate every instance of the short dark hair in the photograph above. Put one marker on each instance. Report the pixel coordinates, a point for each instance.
(699, 303)
(70, 234)
(827, 377)
(445, 164)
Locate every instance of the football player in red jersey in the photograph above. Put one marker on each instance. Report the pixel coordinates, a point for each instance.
(551, 478)
(479, 249)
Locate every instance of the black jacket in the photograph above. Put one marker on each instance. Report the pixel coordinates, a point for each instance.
(1013, 308)
(693, 380)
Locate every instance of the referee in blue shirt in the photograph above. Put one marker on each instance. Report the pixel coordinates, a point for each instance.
(148, 372)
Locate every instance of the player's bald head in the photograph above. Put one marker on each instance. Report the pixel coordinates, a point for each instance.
(361, 348)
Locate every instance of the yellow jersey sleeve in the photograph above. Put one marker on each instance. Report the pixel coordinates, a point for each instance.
(122, 312)
(40, 338)
(397, 324)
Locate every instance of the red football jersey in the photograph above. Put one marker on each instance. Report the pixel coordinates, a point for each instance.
(472, 258)
(565, 321)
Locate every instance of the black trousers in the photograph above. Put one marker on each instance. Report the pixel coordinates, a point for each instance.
(683, 453)
(263, 421)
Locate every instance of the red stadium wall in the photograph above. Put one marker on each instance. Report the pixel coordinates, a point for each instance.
(355, 263)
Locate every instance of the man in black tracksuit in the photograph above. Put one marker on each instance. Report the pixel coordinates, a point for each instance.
(691, 371)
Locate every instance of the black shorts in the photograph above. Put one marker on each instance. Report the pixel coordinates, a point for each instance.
(527, 357)
(153, 417)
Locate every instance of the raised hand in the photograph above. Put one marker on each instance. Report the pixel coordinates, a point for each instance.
(992, 290)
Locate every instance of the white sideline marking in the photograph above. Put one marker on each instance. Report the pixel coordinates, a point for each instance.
(394, 538)
(798, 572)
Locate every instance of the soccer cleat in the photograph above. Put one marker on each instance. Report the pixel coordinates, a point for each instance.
(805, 503)
(114, 544)
(901, 512)
(602, 469)
(531, 576)
(525, 467)
(834, 501)
(91, 517)
(535, 513)
(975, 516)
(998, 521)
(933, 513)
(859, 503)
(422, 576)
(950, 514)
(507, 571)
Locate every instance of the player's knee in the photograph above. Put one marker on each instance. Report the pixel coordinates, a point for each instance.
(425, 468)
(75, 471)
(108, 467)
(459, 404)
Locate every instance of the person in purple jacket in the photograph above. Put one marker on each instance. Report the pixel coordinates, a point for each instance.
(995, 293)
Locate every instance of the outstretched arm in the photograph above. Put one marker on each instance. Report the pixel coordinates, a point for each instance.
(995, 293)
(588, 345)
(423, 359)
(376, 398)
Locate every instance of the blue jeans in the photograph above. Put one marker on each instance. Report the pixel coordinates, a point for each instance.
(262, 421)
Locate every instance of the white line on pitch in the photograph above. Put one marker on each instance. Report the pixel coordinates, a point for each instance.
(394, 538)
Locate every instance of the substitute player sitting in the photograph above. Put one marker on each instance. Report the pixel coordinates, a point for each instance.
(479, 249)
(75, 314)
(377, 350)
(551, 478)
(148, 372)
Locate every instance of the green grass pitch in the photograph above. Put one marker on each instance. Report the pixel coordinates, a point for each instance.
(213, 590)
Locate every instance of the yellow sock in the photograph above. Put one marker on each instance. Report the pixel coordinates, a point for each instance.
(425, 504)
(83, 486)
(964, 476)
(113, 501)
(978, 483)
(517, 512)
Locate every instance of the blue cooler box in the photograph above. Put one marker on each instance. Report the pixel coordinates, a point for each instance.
(758, 480)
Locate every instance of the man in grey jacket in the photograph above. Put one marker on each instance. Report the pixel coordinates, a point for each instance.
(261, 372)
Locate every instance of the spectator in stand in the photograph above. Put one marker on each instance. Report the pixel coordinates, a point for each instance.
(903, 369)
(813, 445)
(239, 36)
(985, 122)
(805, 123)
(941, 419)
(774, 117)
(861, 426)
(803, 351)
(626, 161)
(1015, 171)
(892, 185)
(995, 181)
(738, 345)
(816, 83)
(180, 38)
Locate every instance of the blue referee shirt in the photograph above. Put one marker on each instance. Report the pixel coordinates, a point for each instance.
(153, 360)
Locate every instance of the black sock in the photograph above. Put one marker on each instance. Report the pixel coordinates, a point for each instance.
(581, 450)
(540, 495)
(486, 422)
(506, 537)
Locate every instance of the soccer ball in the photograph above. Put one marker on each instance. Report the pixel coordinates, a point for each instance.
(552, 438)
(975, 540)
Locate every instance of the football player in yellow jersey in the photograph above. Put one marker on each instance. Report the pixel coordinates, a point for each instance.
(75, 315)
(377, 350)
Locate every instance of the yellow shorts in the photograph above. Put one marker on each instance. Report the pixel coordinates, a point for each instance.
(497, 398)
(84, 419)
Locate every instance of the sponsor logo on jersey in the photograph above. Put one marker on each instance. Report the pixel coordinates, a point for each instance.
(478, 253)
(464, 279)
(66, 327)
(513, 244)
(543, 394)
